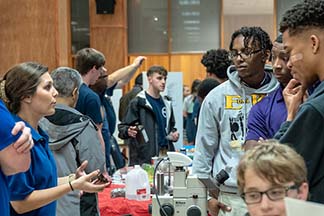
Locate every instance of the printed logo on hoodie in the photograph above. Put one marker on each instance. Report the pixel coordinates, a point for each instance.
(235, 102)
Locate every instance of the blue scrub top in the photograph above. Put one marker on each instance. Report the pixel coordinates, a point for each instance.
(89, 104)
(6, 125)
(42, 174)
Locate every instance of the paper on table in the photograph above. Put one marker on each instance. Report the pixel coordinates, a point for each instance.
(295, 207)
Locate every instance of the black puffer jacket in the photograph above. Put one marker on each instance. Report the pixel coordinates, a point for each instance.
(140, 112)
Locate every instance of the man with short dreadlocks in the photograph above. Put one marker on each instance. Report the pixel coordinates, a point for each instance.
(223, 116)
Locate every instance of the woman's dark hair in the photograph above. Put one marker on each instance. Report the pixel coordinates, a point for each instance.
(194, 86)
(20, 82)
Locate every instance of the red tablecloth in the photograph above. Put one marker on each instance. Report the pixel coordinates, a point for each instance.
(120, 205)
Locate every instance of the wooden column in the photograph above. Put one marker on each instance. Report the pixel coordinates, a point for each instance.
(108, 34)
(34, 30)
(63, 33)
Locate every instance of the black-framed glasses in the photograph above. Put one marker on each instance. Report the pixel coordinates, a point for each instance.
(244, 54)
(103, 76)
(277, 193)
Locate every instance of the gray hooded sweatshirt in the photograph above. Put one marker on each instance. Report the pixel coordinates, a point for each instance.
(72, 138)
(222, 126)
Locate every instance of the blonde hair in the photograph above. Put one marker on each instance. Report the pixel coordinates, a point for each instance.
(277, 163)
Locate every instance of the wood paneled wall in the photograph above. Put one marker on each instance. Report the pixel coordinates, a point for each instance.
(108, 34)
(235, 22)
(37, 30)
(189, 65)
(34, 30)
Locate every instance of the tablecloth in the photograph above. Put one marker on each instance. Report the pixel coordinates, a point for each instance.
(121, 206)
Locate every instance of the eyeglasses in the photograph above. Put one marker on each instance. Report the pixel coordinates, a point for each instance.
(103, 76)
(101, 68)
(244, 54)
(273, 194)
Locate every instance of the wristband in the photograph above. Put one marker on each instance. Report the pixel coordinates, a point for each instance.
(71, 178)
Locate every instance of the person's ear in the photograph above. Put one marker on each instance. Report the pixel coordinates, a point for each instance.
(75, 94)
(266, 56)
(27, 99)
(303, 191)
(93, 69)
(149, 79)
(315, 43)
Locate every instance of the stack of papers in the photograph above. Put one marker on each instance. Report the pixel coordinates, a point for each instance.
(295, 207)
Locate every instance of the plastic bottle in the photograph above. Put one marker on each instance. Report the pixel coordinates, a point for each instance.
(137, 184)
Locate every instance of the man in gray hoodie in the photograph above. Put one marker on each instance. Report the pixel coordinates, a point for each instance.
(73, 138)
(224, 112)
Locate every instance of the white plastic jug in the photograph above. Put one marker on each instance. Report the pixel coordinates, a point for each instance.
(137, 184)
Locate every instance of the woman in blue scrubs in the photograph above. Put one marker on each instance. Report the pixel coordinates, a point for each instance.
(31, 96)
(12, 160)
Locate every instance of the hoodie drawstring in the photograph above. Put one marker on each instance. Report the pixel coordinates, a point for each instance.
(244, 117)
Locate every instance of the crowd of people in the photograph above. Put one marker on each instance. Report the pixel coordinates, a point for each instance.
(262, 124)
(292, 112)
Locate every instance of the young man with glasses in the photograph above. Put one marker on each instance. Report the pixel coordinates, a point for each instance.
(303, 37)
(267, 174)
(90, 63)
(104, 87)
(223, 116)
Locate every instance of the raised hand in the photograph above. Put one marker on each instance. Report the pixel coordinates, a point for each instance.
(87, 183)
(139, 60)
(293, 95)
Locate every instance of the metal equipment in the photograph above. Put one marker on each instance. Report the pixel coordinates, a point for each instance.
(189, 195)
